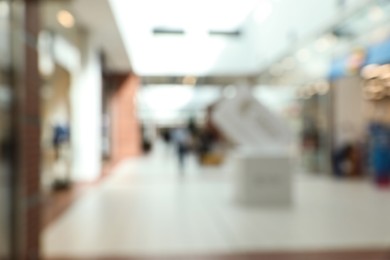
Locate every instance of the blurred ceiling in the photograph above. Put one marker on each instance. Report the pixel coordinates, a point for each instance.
(218, 41)
(98, 17)
(199, 38)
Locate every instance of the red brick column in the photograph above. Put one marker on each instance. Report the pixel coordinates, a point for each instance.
(125, 126)
(26, 132)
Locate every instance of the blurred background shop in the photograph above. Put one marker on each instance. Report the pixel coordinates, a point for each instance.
(168, 128)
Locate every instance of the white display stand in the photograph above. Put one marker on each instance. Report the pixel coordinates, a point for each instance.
(262, 177)
(263, 173)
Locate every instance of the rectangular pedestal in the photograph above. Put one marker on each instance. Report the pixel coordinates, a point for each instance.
(263, 179)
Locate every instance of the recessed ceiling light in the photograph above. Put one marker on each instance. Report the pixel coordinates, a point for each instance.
(376, 14)
(66, 19)
(230, 92)
(303, 55)
(276, 70)
(322, 87)
(380, 34)
(325, 42)
(288, 63)
(370, 71)
(189, 80)
(385, 71)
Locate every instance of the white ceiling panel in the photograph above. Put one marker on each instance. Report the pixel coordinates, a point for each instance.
(195, 52)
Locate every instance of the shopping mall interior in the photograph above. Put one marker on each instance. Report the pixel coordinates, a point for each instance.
(194, 130)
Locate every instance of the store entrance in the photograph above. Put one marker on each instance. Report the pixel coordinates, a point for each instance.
(55, 139)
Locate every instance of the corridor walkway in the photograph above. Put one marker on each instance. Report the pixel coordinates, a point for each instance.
(146, 208)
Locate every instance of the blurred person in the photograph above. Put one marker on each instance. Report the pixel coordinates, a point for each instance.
(61, 146)
(166, 136)
(311, 145)
(205, 143)
(61, 136)
(379, 154)
(146, 140)
(341, 160)
(182, 140)
(347, 153)
(192, 127)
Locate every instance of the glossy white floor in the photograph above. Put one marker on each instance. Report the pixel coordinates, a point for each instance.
(147, 208)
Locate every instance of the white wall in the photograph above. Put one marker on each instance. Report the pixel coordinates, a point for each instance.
(86, 117)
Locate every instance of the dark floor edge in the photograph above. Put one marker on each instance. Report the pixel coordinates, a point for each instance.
(307, 255)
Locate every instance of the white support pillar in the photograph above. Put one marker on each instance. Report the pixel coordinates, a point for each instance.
(87, 116)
